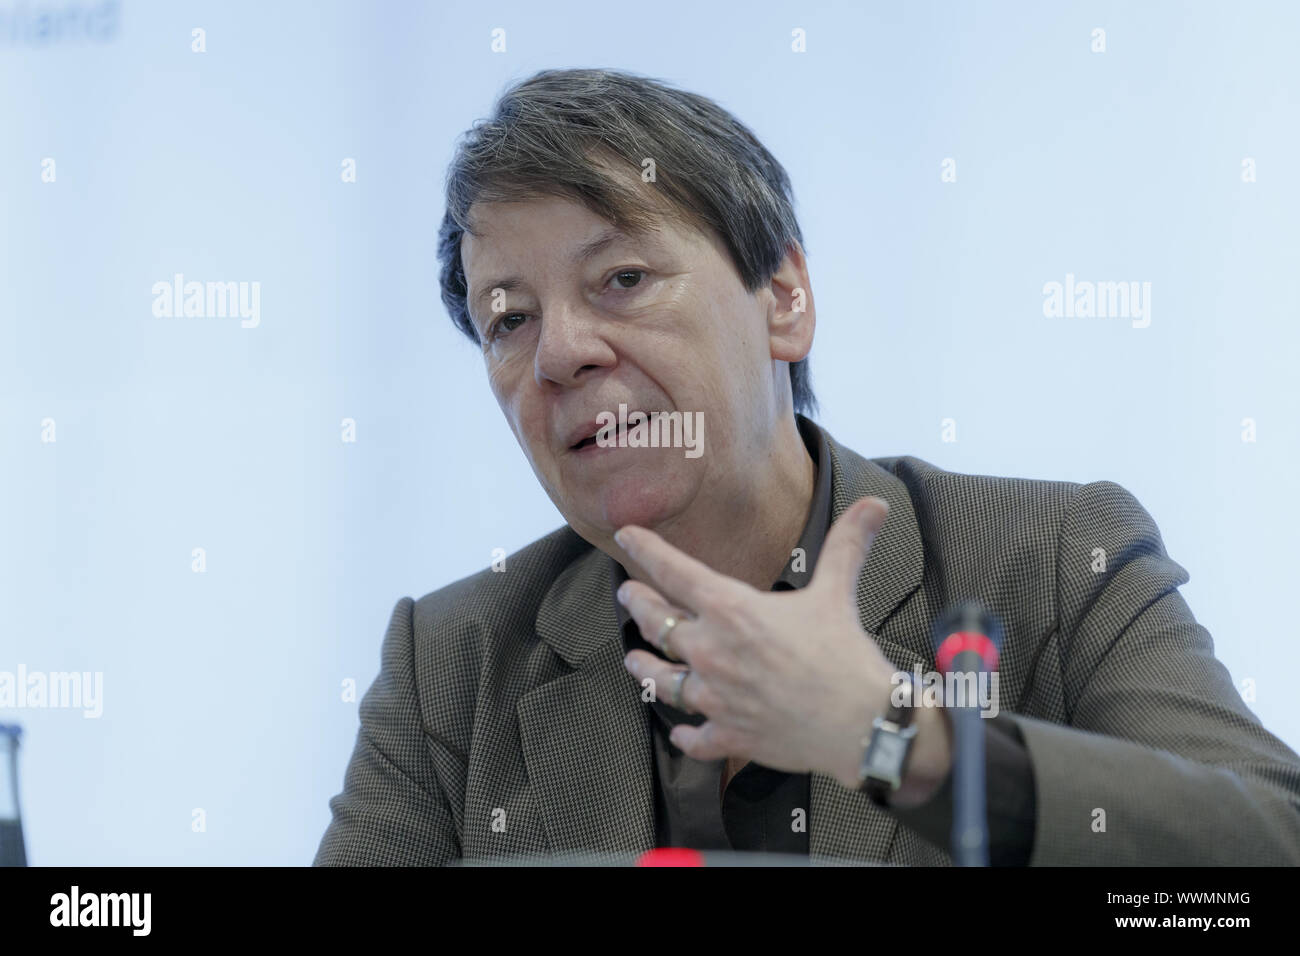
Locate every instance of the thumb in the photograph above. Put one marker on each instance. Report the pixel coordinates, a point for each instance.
(847, 545)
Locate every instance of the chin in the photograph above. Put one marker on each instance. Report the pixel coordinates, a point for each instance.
(630, 499)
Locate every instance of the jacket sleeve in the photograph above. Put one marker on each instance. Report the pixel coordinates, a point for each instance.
(1161, 763)
(1008, 796)
(392, 811)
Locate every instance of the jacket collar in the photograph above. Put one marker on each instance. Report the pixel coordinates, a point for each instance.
(599, 778)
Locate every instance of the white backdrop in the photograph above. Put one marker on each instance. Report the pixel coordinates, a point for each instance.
(127, 157)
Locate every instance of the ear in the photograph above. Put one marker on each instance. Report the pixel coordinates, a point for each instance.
(794, 318)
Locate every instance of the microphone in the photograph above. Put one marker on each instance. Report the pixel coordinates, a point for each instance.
(12, 851)
(966, 640)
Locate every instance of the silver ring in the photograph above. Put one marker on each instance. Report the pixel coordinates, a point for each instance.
(670, 622)
(678, 680)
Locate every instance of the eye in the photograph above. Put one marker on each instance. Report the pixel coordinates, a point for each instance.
(502, 326)
(636, 274)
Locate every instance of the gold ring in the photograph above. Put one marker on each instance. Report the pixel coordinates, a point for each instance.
(670, 622)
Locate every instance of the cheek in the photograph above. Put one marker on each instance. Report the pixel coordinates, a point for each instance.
(526, 417)
(728, 325)
(505, 380)
(497, 382)
(504, 391)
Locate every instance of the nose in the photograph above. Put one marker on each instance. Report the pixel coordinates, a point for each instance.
(570, 346)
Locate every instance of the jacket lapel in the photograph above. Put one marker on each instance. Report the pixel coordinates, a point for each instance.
(586, 735)
(843, 822)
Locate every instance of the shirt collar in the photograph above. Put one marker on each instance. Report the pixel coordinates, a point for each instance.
(799, 568)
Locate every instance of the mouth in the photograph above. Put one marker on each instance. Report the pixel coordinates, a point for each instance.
(583, 436)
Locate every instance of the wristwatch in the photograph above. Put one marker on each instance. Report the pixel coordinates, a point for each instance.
(884, 760)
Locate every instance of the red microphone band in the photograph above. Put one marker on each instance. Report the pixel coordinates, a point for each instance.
(671, 856)
(960, 641)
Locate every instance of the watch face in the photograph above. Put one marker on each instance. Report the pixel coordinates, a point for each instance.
(888, 752)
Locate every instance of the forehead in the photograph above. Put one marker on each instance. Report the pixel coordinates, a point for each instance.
(552, 226)
(502, 218)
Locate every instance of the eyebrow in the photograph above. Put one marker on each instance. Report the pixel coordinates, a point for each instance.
(587, 250)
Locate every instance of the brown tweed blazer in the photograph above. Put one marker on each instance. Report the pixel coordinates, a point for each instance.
(503, 723)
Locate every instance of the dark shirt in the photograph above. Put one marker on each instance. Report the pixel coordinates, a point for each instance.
(760, 807)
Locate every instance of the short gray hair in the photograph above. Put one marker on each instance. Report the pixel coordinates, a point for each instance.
(546, 134)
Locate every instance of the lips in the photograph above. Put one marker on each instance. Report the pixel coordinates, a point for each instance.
(583, 435)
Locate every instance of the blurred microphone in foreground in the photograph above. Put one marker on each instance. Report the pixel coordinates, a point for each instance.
(12, 852)
(966, 642)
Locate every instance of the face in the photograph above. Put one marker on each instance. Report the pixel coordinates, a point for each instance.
(585, 318)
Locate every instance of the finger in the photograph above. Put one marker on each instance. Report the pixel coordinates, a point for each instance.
(847, 545)
(652, 615)
(665, 685)
(677, 575)
(700, 743)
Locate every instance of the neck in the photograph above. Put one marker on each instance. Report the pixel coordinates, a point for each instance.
(748, 534)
